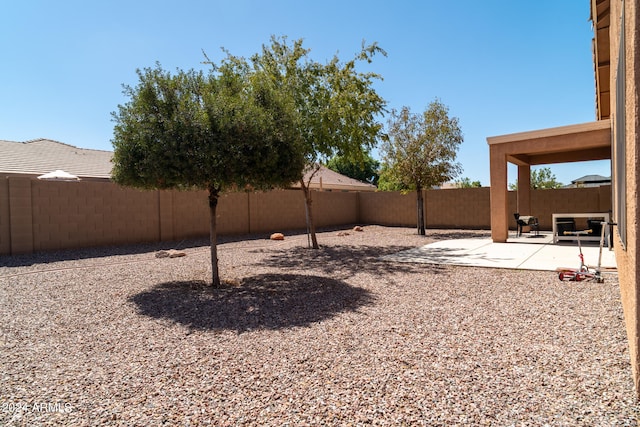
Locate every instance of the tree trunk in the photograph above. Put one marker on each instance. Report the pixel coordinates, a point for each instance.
(310, 224)
(421, 230)
(213, 236)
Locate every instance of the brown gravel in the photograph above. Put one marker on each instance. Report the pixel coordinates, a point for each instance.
(301, 337)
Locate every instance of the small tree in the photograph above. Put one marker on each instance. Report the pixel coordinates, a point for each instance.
(336, 106)
(226, 129)
(421, 150)
(365, 171)
(541, 179)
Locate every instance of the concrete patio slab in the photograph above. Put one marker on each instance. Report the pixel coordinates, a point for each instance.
(520, 253)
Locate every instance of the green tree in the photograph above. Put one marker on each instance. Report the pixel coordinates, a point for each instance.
(366, 171)
(225, 129)
(541, 179)
(388, 182)
(336, 105)
(467, 183)
(421, 150)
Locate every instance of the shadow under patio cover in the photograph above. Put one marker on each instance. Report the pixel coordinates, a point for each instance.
(565, 144)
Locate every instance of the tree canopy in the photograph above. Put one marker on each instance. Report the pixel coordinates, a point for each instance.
(541, 179)
(228, 128)
(336, 106)
(421, 150)
(467, 183)
(365, 171)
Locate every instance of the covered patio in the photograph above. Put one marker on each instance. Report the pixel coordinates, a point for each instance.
(573, 143)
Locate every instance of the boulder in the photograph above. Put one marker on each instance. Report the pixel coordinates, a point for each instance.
(277, 236)
(171, 253)
(358, 228)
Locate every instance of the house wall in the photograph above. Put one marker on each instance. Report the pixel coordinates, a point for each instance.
(626, 255)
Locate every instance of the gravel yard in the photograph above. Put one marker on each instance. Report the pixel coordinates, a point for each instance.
(302, 337)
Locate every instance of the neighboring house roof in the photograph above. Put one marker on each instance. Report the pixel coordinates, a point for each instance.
(41, 156)
(326, 179)
(590, 181)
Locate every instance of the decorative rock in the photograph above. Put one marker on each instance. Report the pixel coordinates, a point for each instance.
(277, 236)
(171, 253)
(358, 228)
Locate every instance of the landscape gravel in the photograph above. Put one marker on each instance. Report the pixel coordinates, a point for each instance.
(302, 337)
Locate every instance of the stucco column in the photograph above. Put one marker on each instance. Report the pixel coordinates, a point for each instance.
(499, 195)
(524, 190)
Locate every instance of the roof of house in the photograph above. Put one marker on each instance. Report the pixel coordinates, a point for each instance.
(41, 156)
(326, 179)
(589, 181)
(592, 179)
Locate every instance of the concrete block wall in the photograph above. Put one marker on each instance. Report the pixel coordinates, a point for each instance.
(388, 208)
(42, 216)
(458, 208)
(5, 212)
(232, 213)
(189, 213)
(277, 210)
(335, 208)
(20, 212)
(72, 214)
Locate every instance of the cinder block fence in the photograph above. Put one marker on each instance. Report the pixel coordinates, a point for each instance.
(44, 215)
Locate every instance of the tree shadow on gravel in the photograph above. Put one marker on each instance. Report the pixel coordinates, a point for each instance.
(269, 301)
(346, 261)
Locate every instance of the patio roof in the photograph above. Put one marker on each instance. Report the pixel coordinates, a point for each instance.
(600, 16)
(574, 143)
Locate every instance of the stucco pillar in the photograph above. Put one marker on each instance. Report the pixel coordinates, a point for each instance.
(524, 190)
(499, 195)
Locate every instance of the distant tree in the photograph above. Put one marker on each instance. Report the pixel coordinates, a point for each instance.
(336, 106)
(229, 128)
(365, 171)
(467, 183)
(421, 150)
(541, 179)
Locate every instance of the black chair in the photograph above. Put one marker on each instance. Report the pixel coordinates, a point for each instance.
(595, 225)
(565, 224)
(527, 221)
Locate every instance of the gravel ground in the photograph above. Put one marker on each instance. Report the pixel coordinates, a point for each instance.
(302, 337)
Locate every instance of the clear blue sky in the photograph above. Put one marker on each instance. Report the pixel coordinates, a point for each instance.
(500, 66)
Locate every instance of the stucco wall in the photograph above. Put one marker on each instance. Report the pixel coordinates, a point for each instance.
(626, 255)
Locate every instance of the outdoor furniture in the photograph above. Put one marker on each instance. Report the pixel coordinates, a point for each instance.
(566, 222)
(527, 221)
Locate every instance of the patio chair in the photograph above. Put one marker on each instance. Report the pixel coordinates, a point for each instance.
(527, 221)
